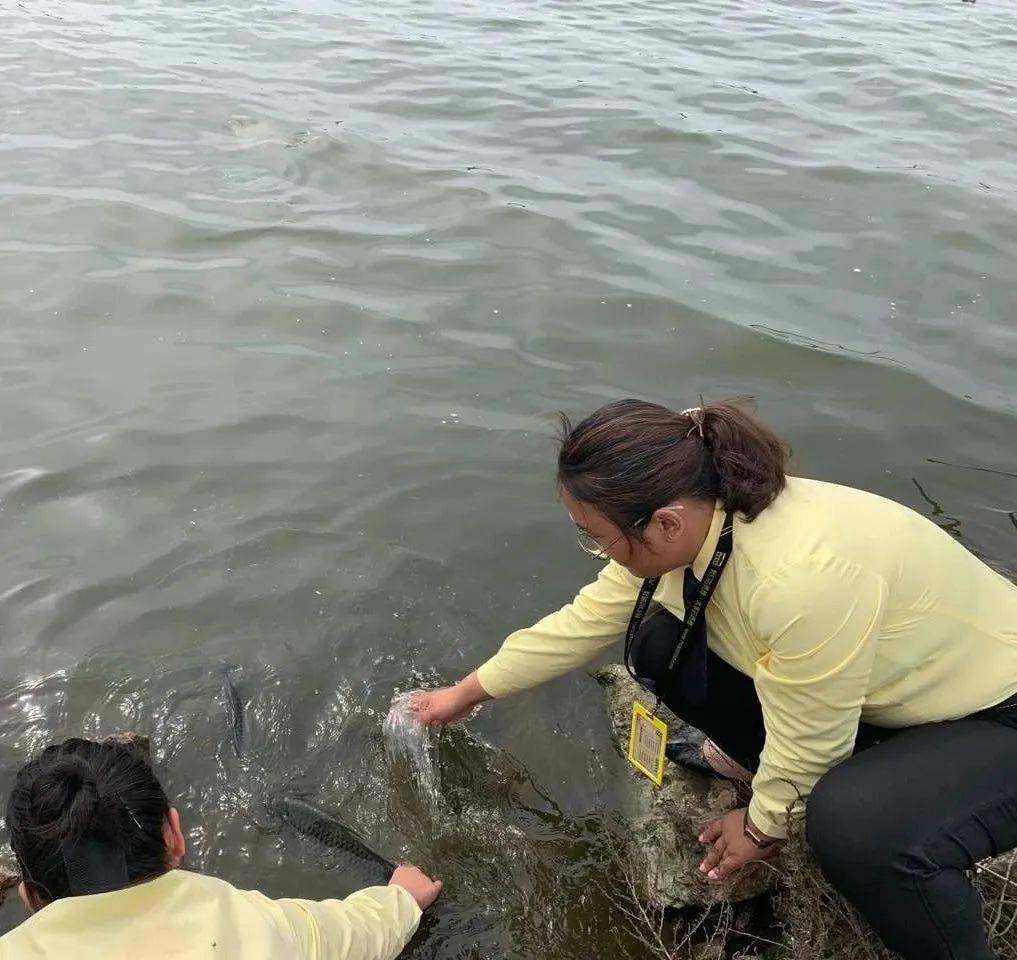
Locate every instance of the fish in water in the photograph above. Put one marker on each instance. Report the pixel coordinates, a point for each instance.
(258, 133)
(354, 857)
(234, 712)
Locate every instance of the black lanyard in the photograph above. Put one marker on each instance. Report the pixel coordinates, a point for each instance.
(694, 612)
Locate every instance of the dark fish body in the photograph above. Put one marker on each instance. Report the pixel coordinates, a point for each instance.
(234, 713)
(352, 856)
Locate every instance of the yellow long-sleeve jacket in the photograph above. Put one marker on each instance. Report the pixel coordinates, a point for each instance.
(182, 914)
(841, 605)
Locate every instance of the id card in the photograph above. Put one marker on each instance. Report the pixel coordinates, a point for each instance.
(647, 742)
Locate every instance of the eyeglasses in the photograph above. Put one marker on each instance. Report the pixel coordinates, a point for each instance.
(590, 545)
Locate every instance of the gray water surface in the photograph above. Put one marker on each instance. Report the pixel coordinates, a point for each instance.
(289, 294)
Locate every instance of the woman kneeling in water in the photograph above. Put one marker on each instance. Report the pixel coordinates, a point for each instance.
(835, 645)
(99, 848)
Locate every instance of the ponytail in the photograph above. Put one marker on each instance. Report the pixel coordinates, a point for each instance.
(630, 458)
(750, 459)
(80, 804)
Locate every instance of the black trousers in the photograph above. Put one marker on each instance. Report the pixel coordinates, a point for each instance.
(896, 827)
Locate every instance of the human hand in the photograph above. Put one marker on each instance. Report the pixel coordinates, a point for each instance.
(438, 707)
(416, 883)
(731, 848)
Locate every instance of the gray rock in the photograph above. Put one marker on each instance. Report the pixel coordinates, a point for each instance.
(9, 875)
(128, 738)
(664, 823)
(664, 853)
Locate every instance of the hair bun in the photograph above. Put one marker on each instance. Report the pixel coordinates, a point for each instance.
(75, 772)
(65, 798)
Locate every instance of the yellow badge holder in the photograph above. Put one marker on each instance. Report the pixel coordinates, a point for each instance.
(647, 742)
(648, 733)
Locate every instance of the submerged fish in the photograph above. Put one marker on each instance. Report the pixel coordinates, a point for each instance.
(354, 857)
(234, 712)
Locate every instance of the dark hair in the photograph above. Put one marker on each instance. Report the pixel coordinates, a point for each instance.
(80, 789)
(630, 458)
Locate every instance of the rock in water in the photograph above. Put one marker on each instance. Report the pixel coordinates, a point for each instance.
(665, 822)
(664, 825)
(136, 741)
(9, 876)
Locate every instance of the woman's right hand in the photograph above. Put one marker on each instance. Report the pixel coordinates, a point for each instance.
(438, 707)
(416, 883)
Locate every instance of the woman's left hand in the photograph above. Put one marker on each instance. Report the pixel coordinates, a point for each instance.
(731, 849)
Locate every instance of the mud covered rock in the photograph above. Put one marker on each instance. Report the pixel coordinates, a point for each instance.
(813, 921)
(136, 741)
(664, 822)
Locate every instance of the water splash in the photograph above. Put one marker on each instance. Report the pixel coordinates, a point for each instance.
(410, 743)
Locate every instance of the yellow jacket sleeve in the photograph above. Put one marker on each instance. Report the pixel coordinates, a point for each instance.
(566, 639)
(373, 924)
(818, 619)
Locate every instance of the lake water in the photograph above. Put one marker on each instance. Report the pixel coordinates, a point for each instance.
(289, 294)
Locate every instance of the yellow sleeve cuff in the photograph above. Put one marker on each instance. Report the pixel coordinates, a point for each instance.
(492, 678)
(409, 904)
(772, 822)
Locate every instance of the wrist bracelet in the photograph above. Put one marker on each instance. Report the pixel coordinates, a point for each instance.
(758, 839)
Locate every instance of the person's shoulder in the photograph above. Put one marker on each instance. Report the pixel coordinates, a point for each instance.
(818, 505)
(807, 489)
(186, 883)
(206, 881)
(175, 892)
(817, 531)
(13, 941)
(809, 519)
(804, 491)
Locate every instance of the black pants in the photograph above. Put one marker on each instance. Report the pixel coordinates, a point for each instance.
(896, 827)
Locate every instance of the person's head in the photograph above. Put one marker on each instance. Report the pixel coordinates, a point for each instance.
(640, 481)
(87, 817)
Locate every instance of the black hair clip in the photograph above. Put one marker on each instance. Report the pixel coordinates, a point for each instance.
(94, 866)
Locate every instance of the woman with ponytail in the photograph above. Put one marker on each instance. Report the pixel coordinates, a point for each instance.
(840, 651)
(99, 848)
